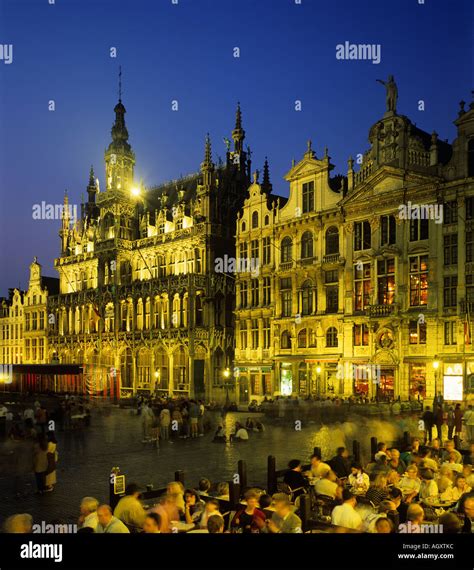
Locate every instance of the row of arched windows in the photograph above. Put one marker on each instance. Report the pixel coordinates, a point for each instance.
(307, 338)
(307, 245)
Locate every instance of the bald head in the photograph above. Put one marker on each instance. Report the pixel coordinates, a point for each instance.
(104, 514)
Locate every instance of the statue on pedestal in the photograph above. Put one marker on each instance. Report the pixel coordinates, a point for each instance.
(391, 93)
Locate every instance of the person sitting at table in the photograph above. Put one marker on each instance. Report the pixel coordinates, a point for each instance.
(129, 509)
(460, 488)
(428, 488)
(436, 449)
(445, 488)
(176, 488)
(469, 475)
(204, 486)
(328, 486)
(152, 524)
(222, 491)
(284, 519)
(448, 449)
(340, 463)
(167, 510)
(318, 468)
(249, 519)
(452, 463)
(265, 501)
(415, 514)
(215, 525)
(294, 478)
(193, 506)
(378, 490)
(345, 515)
(211, 508)
(359, 481)
(241, 434)
(396, 462)
(426, 461)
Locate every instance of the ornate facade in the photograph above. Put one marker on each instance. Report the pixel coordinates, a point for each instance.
(139, 297)
(354, 293)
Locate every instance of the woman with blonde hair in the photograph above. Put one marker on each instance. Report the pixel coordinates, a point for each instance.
(176, 488)
(378, 490)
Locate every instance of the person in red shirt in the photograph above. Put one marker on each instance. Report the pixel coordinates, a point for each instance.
(250, 519)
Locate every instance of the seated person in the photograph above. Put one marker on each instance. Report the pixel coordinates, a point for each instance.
(410, 482)
(460, 487)
(129, 509)
(328, 486)
(220, 436)
(294, 478)
(283, 520)
(152, 524)
(378, 490)
(428, 488)
(222, 491)
(249, 519)
(345, 515)
(204, 486)
(445, 488)
(318, 467)
(452, 462)
(358, 480)
(193, 506)
(211, 508)
(448, 449)
(215, 525)
(340, 463)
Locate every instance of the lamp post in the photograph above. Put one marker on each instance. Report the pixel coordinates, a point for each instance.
(318, 380)
(435, 366)
(226, 375)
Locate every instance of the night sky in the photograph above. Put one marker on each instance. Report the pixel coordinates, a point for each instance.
(184, 52)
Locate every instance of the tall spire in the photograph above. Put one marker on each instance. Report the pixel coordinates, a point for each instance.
(238, 117)
(207, 166)
(92, 186)
(266, 184)
(238, 134)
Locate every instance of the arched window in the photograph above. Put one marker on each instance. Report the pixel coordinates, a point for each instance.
(302, 339)
(286, 249)
(244, 226)
(332, 240)
(285, 339)
(307, 298)
(255, 220)
(331, 337)
(306, 245)
(267, 220)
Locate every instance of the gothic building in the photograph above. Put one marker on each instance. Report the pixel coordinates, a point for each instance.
(349, 290)
(139, 298)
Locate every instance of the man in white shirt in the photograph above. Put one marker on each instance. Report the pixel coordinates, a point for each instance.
(88, 516)
(345, 515)
(109, 524)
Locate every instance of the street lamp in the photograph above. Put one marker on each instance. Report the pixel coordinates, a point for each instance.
(318, 372)
(226, 375)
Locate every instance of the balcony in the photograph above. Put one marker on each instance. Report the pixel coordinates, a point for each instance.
(308, 261)
(380, 310)
(285, 266)
(332, 258)
(466, 306)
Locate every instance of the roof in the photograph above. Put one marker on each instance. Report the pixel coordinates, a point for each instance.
(51, 284)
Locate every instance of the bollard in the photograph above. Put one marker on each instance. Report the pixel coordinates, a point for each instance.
(317, 451)
(242, 471)
(406, 439)
(234, 495)
(179, 477)
(356, 450)
(373, 448)
(305, 510)
(271, 475)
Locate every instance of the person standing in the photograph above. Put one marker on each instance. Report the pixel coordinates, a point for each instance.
(165, 420)
(469, 423)
(429, 420)
(458, 415)
(52, 457)
(40, 463)
(451, 423)
(439, 419)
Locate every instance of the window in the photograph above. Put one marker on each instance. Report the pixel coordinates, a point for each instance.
(306, 245)
(418, 230)
(244, 226)
(243, 335)
(255, 220)
(307, 298)
(361, 335)
(388, 234)
(308, 197)
(331, 337)
(254, 249)
(254, 333)
(179, 224)
(266, 333)
(418, 280)
(243, 295)
(267, 220)
(417, 332)
(286, 296)
(266, 291)
(266, 251)
(450, 242)
(386, 281)
(450, 333)
(469, 246)
(332, 299)
(332, 240)
(285, 340)
(254, 285)
(302, 338)
(286, 250)
(361, 286)
(470, 207)
(469, 287)
(450, 212)
(450, 291)
(362, 236)
(244, 250)
(331, 276)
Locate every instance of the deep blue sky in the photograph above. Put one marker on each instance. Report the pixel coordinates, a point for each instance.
(184, 52)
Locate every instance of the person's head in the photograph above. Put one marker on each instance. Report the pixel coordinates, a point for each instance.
(204, 485)
(349, 498)
(222, 489)
(342, 452)
(294, 465)
(104, 514)
(380, 481)
(252, 499)
(435, 444)
(315, 459)
(265, 501)
(212, 505)
(396, 496)
(450, 523)
(415, 513)
(467, 470)
(393, 477)
(381, 446)
(427, 475)
(452, 457)
(444, 483)
(175, 488)
(386, 506)
(190, 497)
(133, 490)
(19, 524)
(449, 445)
(356, 468)
(383, 525)
(468, 506)
(330, 475)
(412, 471)
(282, 504)
(395, 455)
(88, 505)
(152, 523)
(168, 500)
(215, 524)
